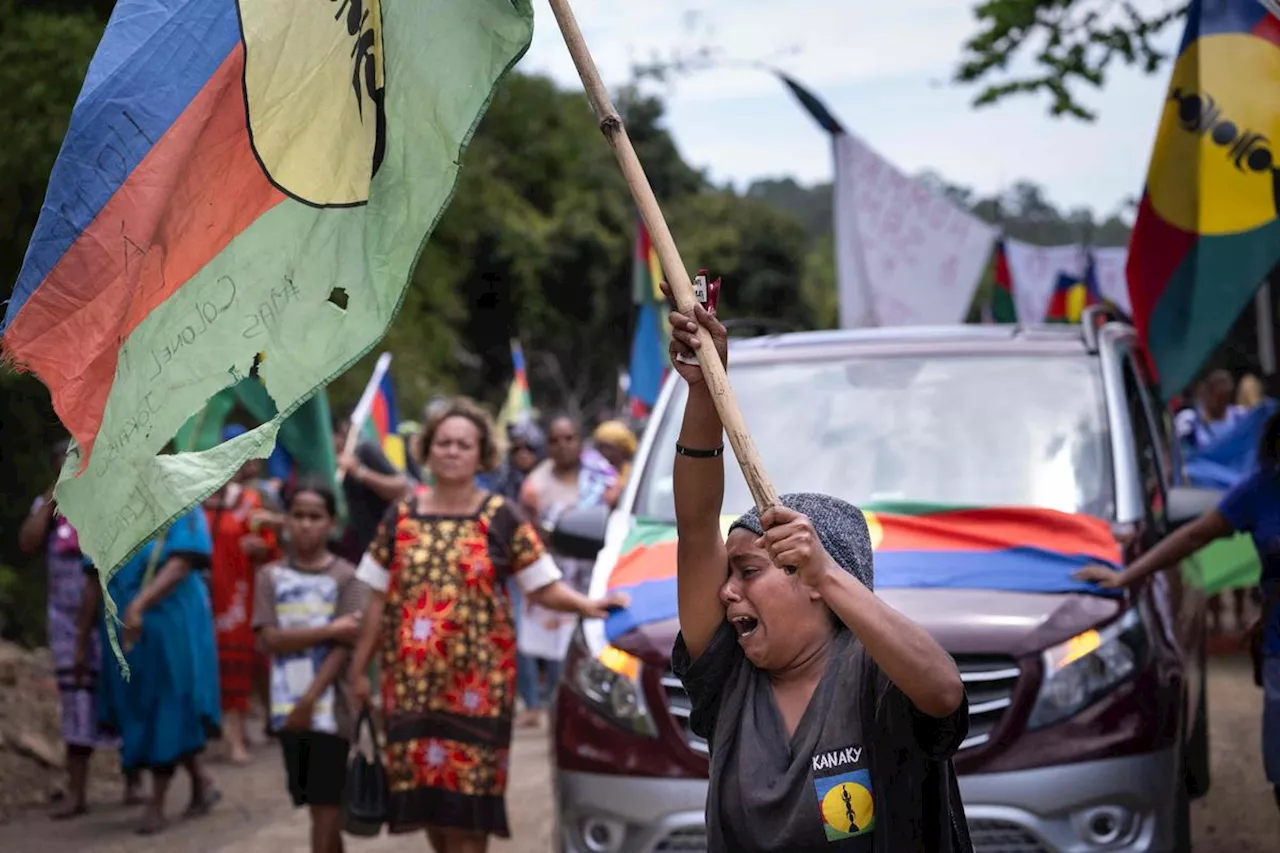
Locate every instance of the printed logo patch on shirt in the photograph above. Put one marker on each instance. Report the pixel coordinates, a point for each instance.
(846, 804)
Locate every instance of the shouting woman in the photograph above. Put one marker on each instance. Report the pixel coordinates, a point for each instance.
(831, 717)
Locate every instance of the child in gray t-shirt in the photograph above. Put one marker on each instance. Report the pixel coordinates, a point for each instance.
(307, 615)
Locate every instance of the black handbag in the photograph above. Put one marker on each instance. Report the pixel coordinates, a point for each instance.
(366, 789)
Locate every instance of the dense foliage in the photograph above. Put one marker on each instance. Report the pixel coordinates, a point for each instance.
(1058, 47)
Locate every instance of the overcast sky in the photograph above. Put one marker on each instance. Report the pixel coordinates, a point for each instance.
(883, 69)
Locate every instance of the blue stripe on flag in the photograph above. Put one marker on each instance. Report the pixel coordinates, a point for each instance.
(647, 357)
(154, 58)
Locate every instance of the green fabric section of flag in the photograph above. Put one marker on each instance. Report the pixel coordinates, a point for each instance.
(1208, 290)
(1002, 307)
(442, 62)
(648, 532)
(307, 434)
(912, 507)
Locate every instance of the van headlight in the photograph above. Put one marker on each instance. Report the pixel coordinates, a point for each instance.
(610, 684)
(1088, 666)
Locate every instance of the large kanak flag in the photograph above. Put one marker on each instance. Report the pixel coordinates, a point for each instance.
(905, 254)
(244, 190)
(1208, 227)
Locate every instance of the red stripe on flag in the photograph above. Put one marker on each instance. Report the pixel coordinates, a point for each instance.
(379, 416)
(1156, 249)
(195, 191)
(1268, 29)
(997, 529)
(1003, 279)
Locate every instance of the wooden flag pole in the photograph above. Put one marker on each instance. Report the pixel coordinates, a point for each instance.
(673, 267)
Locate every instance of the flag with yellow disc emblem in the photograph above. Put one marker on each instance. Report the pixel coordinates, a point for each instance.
(1207, 232)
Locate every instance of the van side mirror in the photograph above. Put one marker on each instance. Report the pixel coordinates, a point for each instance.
(579, 532)
(1187, 503)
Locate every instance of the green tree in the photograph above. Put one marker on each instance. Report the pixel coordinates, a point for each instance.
(44, 52)
(1070, 45)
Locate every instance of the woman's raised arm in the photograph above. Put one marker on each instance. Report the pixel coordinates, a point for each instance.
(702, 564)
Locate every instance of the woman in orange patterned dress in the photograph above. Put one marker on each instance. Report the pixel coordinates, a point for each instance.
(240, 545)
(440, 613)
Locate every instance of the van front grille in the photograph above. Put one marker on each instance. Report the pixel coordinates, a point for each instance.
(680, 706)
(989, 680)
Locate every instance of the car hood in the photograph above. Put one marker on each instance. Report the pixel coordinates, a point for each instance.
(968, 622)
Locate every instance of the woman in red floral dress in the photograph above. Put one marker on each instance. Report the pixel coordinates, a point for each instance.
(440, 613)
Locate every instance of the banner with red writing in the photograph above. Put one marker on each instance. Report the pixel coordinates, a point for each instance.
(905, 255)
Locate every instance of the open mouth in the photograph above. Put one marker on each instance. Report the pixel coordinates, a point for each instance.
(745, 626)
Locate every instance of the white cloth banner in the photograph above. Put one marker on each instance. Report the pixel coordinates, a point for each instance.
(544, 634)
(905, 255)
(1035, 271)
(1109, 264)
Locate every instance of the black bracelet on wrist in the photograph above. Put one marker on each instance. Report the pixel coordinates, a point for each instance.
(694, 453)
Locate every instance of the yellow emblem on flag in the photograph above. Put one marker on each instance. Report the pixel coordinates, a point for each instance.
(655, 274)
(313, 77)
(1213, 169)
(1076, 301)
(874, 529)
(848, 809)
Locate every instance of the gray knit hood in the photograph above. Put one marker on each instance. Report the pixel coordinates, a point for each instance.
(840, 526)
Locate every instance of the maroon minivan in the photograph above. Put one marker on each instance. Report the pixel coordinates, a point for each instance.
(1087, 727)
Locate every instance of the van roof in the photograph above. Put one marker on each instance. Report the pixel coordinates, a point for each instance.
(967, 339)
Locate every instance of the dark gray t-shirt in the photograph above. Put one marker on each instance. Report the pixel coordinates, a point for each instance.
(818, 789)
(364, 506)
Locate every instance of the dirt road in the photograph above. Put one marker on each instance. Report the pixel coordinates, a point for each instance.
(255, 816)
(1238, 816)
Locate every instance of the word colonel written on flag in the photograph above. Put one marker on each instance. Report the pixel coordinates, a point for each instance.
(243, 191)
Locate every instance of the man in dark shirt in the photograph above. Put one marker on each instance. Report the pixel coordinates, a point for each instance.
(370, 484)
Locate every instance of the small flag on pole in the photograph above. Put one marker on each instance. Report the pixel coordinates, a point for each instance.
(1003, 309)
(382, 416)
(649, 355)
(519, 402)
(1073, 293)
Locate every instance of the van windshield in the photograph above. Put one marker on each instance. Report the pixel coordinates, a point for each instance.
(958, 430)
